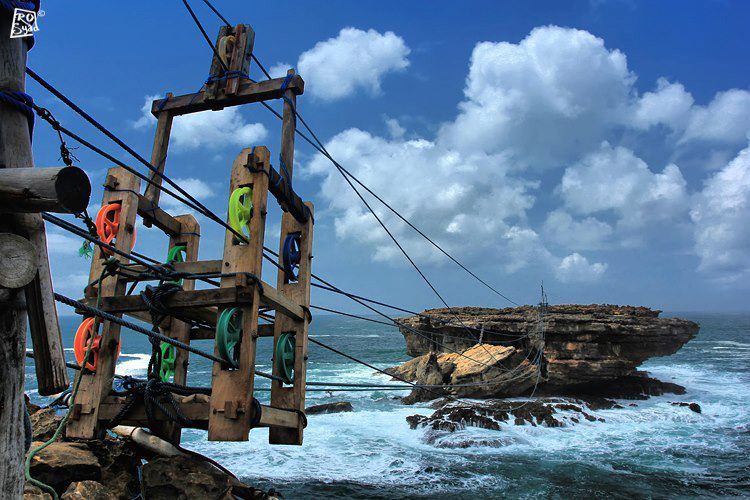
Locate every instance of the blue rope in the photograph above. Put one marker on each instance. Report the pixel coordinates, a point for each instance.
(285, 84)
(21, 102)
(227, 75)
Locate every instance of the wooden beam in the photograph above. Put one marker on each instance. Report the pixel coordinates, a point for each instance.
(18, 261)
(54, 189)
(158, 156)
(264, 330)
(246, 93)
(95, 386)
(197, 267)
(154, 216)
(189, 236)
(232, 389)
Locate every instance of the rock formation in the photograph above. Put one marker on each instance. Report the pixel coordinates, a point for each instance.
(572, 349)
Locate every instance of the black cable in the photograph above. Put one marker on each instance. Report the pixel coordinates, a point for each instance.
(210, 6)
(205, 35)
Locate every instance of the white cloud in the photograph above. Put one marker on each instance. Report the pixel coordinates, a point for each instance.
(585, 234)
(575, 268)
(614, 179)
(63, 244)
(545, 100)
(279, 70)
(726, 119)
(670, 105)
(355, 59)
(721, 214)
(199, 189)
(207, 129)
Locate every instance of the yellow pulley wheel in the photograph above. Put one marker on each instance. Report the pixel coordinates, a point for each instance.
(241, 210)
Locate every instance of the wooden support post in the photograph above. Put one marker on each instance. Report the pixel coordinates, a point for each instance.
(158, 157)
(96, 386)
(33, 190)
(15, 152)
(235, 47)
(232, 393)
(189, 237)
(299, 292)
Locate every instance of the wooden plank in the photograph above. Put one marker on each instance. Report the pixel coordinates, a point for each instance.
(264, 330)
(95, 386)
(196, 407)
(245, 40)
(246, 93)
(217, 69)
(234, 387)
(154, 216)
(197, 267)
(189, 236)
(159, 155)
(226, 297)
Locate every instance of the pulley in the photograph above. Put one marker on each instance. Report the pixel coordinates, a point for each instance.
(284, 357)
(226, 47)
(81, 341)
(241, 210)
(168, 356)
(177, 254)
(108, 225)
(228, 334)
(291, 256)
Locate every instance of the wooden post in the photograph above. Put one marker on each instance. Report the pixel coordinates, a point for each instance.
(123, 187)
(15, 152)
(235, 56)
(159, 156)
(33, 190)
(232, 393)
(179, 330)
(299, 292)
(18, 261)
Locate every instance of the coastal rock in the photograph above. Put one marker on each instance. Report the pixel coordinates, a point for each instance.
(62, 463)
(695, 407)
(339, 407)
(88, 490)
(583, 347)
(31, 492)
(44, 423)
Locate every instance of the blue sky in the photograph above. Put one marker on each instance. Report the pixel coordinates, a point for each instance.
(600, 147)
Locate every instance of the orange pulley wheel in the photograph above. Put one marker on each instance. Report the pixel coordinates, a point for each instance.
(81, 341)
(108, 224)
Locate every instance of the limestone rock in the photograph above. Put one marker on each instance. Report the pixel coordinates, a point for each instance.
(31, 492)
(581, 344)
(62, 463)
(88, 490)
(339, 407)
(44, 422)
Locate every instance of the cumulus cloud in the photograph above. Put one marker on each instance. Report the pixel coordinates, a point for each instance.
(353, 60)
(615, 179)
(546, 99)
(207, 129)
(721, 214)
(585, 234)
(576, 268)
(200, 189)
(669, 105)
(726, 119)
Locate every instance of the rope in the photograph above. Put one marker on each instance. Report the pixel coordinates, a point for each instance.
(21, 102)
(205, 35)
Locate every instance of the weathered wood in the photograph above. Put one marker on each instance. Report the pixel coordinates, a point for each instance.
(264, 330)
(15, 152)
(95, 386)
(179, 330)
(246, 93)
(18, 261)
(33, 190)
(198, 408)
(197, 267)
(158, 158)
(217, 66)
(226, 297)
(244, 42)
(157, 217)
(233, 388)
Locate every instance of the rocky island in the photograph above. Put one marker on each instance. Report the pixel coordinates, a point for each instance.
(570, 349)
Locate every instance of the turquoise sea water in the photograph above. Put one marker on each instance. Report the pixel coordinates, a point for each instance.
(653, 449)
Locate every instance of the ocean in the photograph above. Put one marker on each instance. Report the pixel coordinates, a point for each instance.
(654, 449)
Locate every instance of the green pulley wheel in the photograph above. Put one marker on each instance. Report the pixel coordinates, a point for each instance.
(284, 357)
(241, 210)
(168, 356)
(177, 254)
(228, 332)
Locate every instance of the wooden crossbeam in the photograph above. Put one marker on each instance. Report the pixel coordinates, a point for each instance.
(95, 386)
(192, 300)
(246, 93)
(197, 408)
(232, 389)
